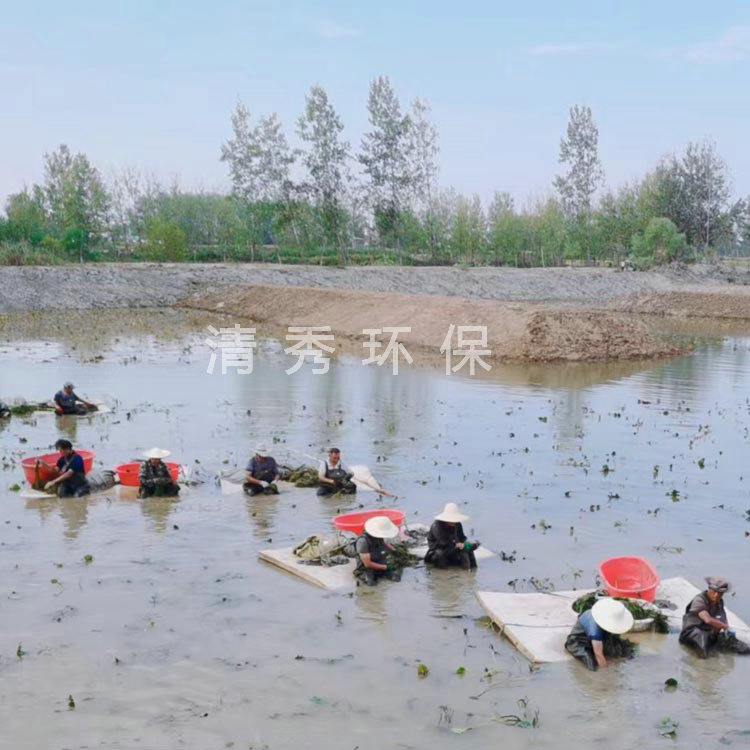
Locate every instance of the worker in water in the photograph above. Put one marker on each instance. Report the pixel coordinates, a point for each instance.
(71, 474)
(155, 477)
(372, 551)
(447, 545)
(262, 473)
(67, 402)
(704, 624)
(596, 635)
(4, 410)
(334, 476)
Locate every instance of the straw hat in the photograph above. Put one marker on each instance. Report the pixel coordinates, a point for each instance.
(451, 514)
(381, 527)
(261, 450)
(612, 616)
(157, 453)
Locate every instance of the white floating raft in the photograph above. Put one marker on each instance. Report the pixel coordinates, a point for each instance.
(333, 578)
(538, 624)
(101, 408)
(336, 577)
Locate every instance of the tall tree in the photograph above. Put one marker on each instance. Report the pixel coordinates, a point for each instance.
(384, 155)
(259, 161)
(692, 190)
(422, 151)
(579, 150)
(76, 199)
(325, 158)
(469, 230)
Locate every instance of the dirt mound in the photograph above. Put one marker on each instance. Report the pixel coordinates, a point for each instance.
(717, 303)
(515, 332)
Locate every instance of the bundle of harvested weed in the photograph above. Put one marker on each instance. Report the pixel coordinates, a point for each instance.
(401, 557)
(302, 476)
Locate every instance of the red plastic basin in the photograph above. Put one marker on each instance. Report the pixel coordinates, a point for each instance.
(129, 473)
(355, 522)
(45, 475)
(629, 578)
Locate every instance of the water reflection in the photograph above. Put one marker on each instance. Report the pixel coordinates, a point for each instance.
(261, 512)
(73, 511)
(158, 510)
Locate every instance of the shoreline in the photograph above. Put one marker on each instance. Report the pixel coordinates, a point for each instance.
(532, 315)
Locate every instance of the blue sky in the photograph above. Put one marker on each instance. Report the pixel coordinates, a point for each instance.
(151, 84)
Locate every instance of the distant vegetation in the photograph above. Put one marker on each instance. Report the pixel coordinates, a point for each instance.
(380, 204)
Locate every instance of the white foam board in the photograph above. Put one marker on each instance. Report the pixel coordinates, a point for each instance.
(538, 624)
(334, 578)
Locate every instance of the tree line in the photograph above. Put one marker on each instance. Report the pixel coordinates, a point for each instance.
(326, 202)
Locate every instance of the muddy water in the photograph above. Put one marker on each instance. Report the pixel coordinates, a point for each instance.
(176, 636)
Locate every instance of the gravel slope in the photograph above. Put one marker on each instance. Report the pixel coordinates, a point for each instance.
(149, 285)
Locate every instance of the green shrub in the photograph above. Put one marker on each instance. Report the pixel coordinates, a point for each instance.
(165, 241)
(660, 242)
(22, 254)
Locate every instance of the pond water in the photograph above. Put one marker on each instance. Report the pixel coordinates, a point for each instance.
(175, 635)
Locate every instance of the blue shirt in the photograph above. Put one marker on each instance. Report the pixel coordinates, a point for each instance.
(66, 399)
(76, 463)
(267, 466)
(592, 630)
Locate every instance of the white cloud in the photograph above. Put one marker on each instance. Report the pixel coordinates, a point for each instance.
(332, 30)
(732, 46)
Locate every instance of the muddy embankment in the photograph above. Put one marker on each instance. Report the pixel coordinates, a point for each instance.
(515, 332)
(541, 315)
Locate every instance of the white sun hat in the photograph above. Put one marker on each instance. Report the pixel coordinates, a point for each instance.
(261, 450)
(451, 514)
(612, 616)
(381, 527)
(157, 453)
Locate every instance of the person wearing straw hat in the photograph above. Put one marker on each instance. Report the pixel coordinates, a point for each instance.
(372, 552)
(155, 477)
(262, 473)
(68, 402)
(704, 624)
(447, 545)
(596, 635)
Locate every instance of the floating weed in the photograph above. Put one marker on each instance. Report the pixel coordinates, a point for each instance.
(670, 683)
(422, 671)
(528, 718)
(20, 653)
(701, 463)
(675, 495)
(15, 487)
(461, 671)
(88, 559)
(667, 727)
(71, 703)
(668, 548)
(446, 716)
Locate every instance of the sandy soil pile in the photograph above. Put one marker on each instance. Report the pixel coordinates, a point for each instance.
(732, 303)
(515, 332)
